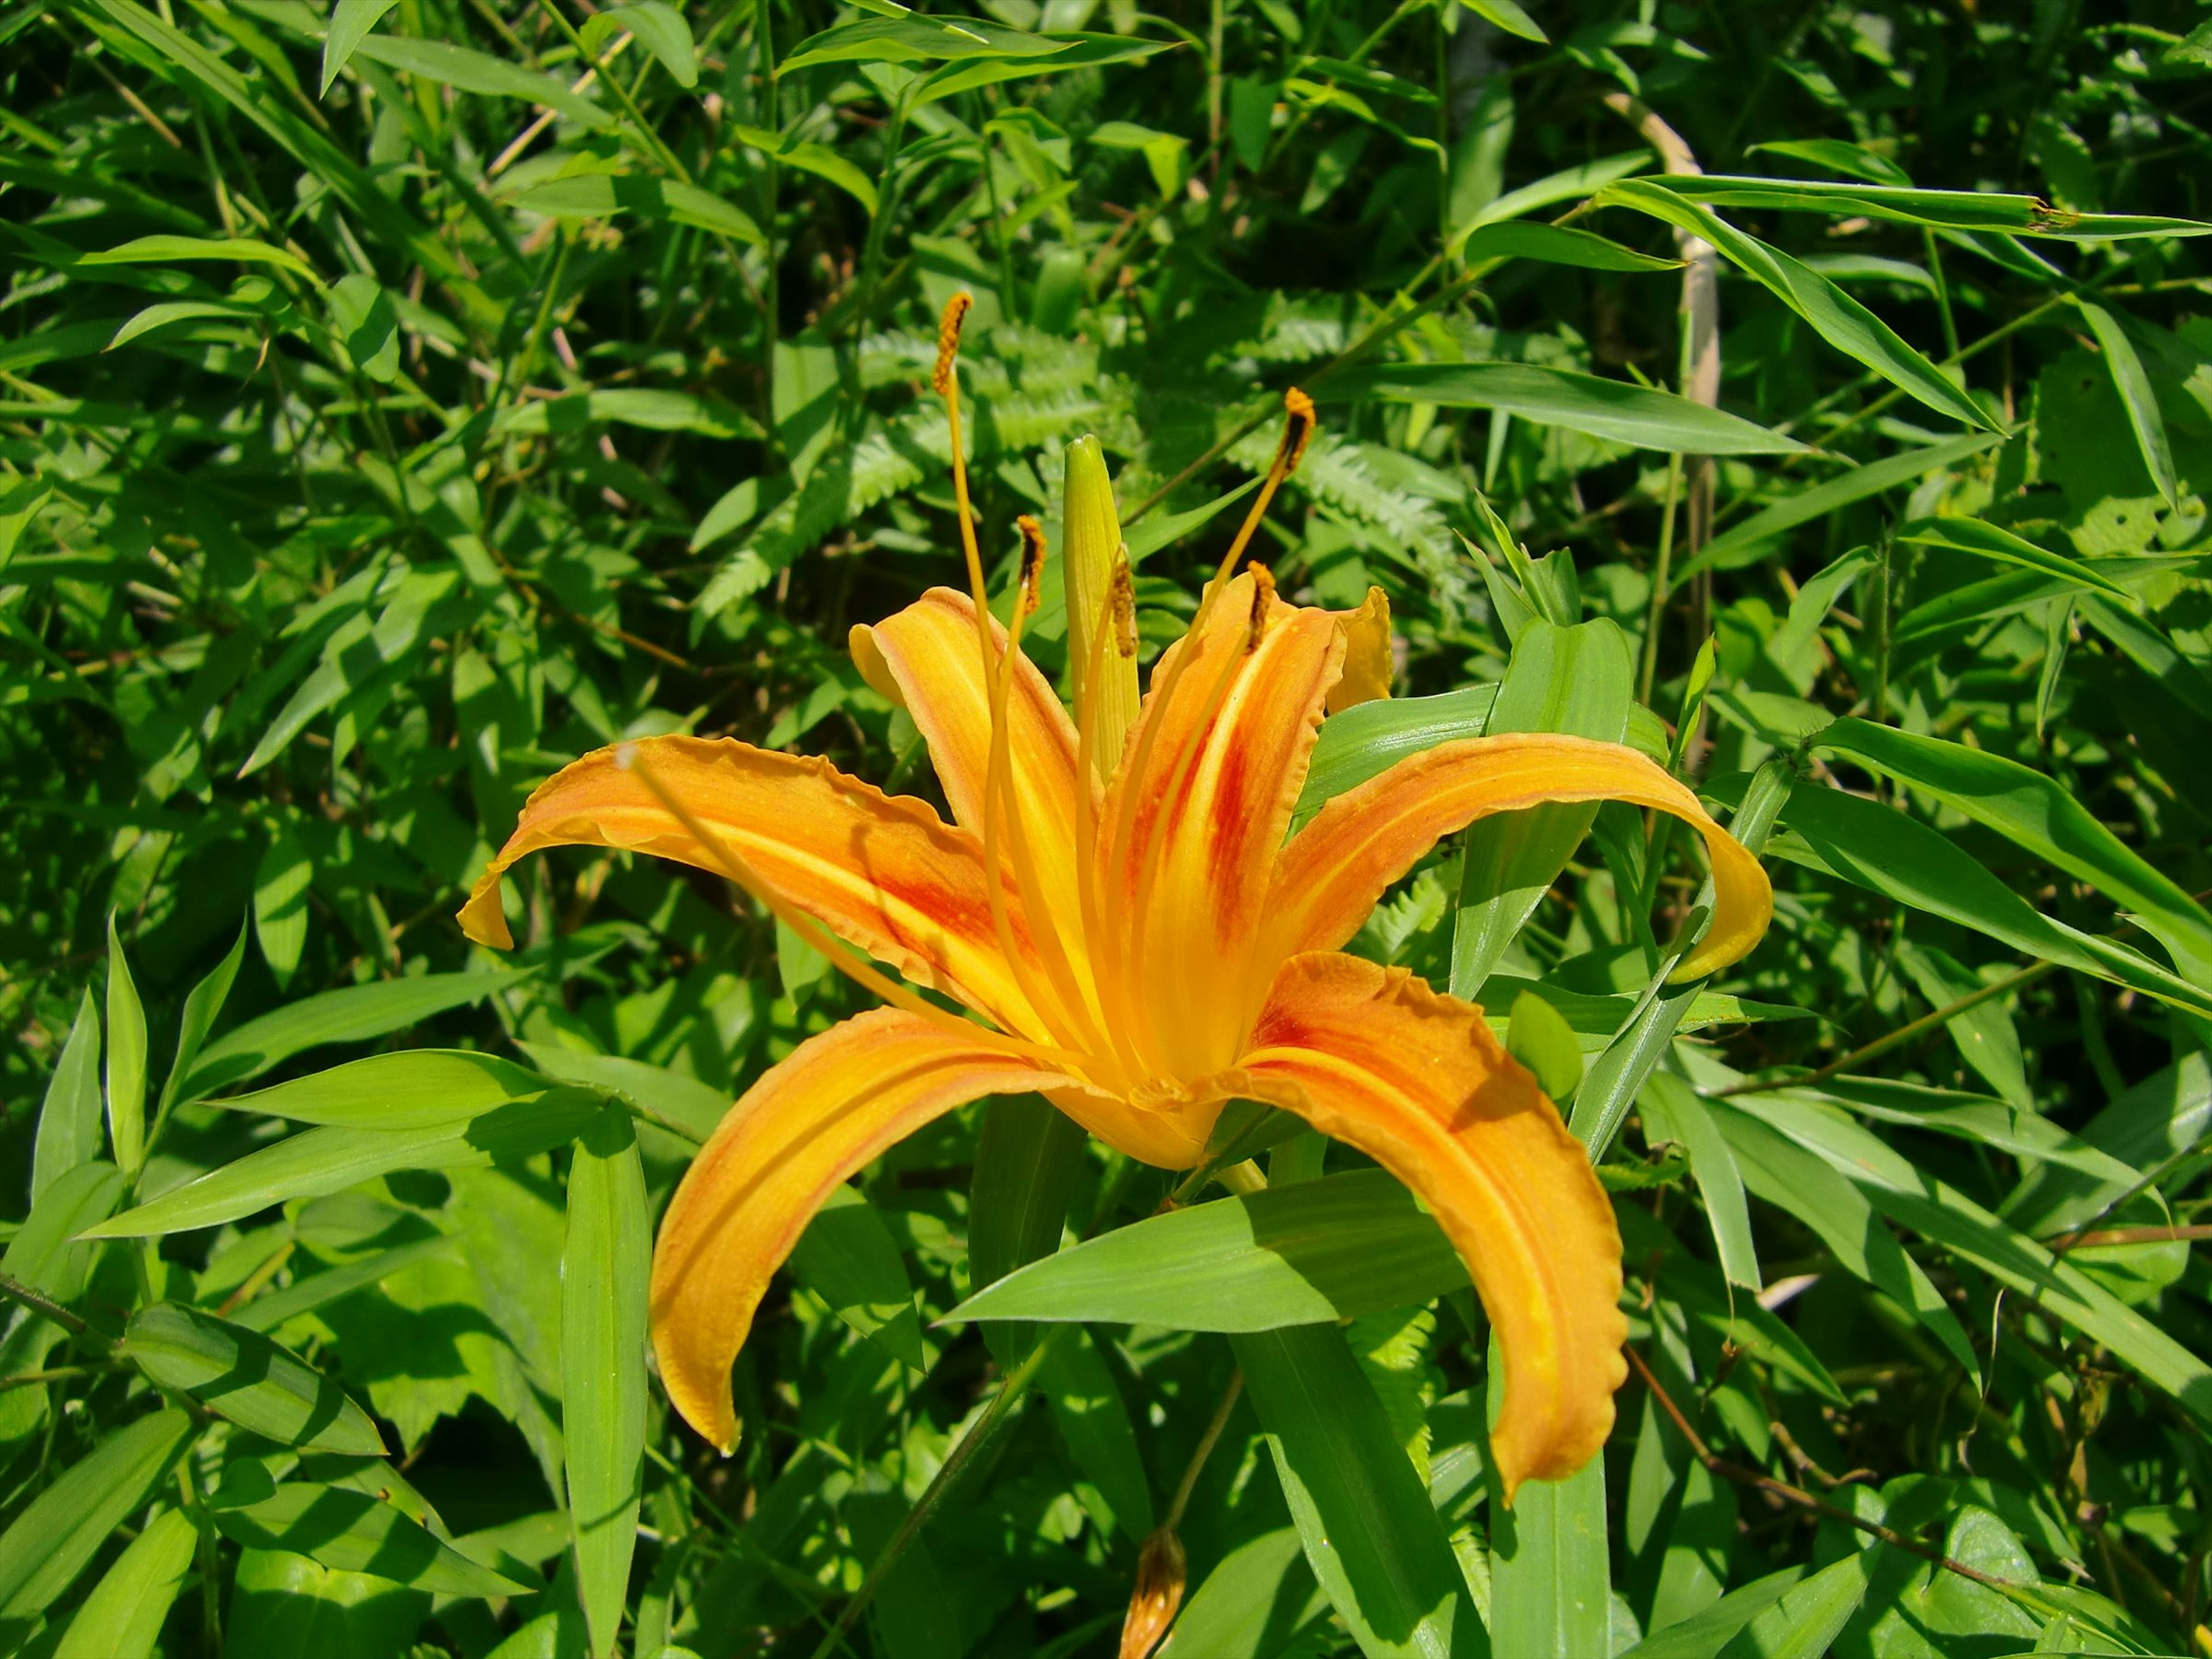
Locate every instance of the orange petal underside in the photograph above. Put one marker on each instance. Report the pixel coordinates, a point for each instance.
(839, 1100)
(1372, 1057)
(886, 875)
(1339, 865)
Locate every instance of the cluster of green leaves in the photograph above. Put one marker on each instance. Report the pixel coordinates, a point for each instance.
(398, 401)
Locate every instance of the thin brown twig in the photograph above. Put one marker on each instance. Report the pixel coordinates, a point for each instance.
(1903, 1033)
(1758, 1481)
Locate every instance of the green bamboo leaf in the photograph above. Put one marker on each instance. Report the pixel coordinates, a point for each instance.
(818, 159)
(171, 250)
(1556, 244)
(2161, 1118)
(604, 1271)
(661, 30)
(329, 1160)
(692, 1107)
(1738, 542)
(652, 408)
(126, 1060)
(1705, 1633)
(2035, 812)
(848, 1257)
(350, 19)
(2150, 650)
(353, 1532)
(1674, 1112)
(1942, 209)
(914, 38)
(202, 1006)
(44, 1253)
(1094, 1423)
(359, 1013)
(1540, 1037)
(466, 70)
(1837, 318)
(1805, 1619)
(280, 903)
(1027, 1161)
(1083, 52)
(241, 1374)
(1370, 1535)
(1618, 411)
(70, 1134)
(1509, 16)
(1259, 1594)
(603, 195)
(1368, 740)
(314, 1291)
(1568, 185)
(55, 1536)
(1318, 1251)
(1947, 1217)
(1985, 1033)
(2132, 382)
(122, 1618)
(1889, 852)
(417, 1089)
(1580, 680)
(1550, 1571)
(2000, 545)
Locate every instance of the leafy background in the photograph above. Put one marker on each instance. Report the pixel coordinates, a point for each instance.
(397, 403)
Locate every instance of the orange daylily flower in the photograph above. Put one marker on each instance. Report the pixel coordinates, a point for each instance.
(1116, 903)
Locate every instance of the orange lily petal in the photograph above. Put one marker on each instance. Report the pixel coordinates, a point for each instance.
(1207, 789)
(925, 659)
(885, 874)
(1336, 869)
(839, 1100)
(1372, 1057)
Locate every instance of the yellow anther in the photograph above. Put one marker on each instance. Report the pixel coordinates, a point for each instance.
(1032, 561)
(1263, 599)
(1298, 427)
(1122, 595)
(948, 340)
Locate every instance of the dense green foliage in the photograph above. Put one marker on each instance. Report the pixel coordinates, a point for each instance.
(397, 403)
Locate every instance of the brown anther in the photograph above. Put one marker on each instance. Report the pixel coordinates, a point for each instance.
(1161, 1572)
(1299, 425)
(948, 340)
(1032, 561)
(1121, 598)
(1263, 599)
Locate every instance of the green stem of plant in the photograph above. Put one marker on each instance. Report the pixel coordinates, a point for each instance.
(1902, 1035)
(771, 294)
(1943, 292)
(1662, 570)
(15, 1291)
(948, 1475)
(652, 140)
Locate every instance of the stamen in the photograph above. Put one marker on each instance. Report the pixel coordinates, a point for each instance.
(1298, 427)
(1074, 1010)
(1032, 561)
(948, 341)
(1122, 598)
(1263, 599)
(1113, 1012)
(946, 379)
(839, 954)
